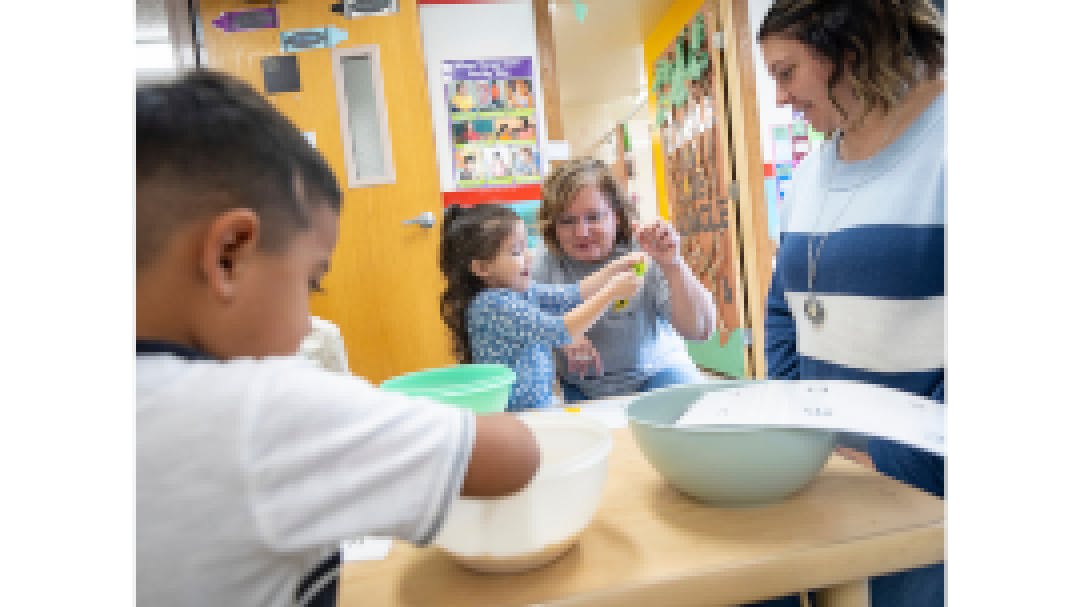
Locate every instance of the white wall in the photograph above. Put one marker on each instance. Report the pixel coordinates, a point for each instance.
(766, 90)
(644, 181)
(475, 31)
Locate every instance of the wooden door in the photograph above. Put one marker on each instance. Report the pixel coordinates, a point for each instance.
(384, 282)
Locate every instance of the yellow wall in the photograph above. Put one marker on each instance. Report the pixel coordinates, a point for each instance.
(382, 289)
(656, 42)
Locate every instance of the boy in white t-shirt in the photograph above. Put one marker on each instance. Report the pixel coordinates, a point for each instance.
(251, 463)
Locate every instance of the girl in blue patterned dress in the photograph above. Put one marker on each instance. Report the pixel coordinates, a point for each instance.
(497, 315)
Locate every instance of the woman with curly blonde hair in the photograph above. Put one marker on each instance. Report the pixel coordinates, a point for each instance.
(586, 220)
(858, 290)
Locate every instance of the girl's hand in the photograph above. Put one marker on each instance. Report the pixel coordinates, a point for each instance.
(625, 284)
(627, 262)
(581, 357)
(661, 242)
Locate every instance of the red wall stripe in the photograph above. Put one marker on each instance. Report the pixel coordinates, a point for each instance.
(493, 195)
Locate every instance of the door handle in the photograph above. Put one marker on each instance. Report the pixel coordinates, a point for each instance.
(424, 220)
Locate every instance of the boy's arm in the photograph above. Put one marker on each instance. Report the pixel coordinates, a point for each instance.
(504, 459)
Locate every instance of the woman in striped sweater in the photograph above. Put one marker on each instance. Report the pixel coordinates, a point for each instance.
(858, 292)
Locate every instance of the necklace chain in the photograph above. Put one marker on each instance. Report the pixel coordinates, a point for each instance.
(814, 309)
(813, 256)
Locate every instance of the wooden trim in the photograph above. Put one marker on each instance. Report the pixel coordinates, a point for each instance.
(549, 74)
(757, 250)
(724, 145)
(372, 51)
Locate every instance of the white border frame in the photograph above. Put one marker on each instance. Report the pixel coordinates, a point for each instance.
(372, 51)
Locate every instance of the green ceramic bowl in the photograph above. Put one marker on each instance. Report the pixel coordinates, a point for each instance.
(720, 465)
(482, 388)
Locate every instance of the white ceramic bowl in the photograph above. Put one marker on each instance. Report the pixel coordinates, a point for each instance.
(541, 522)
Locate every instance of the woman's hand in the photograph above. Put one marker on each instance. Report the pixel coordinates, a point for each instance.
(661, 242)
(582, 357)
(856, 456)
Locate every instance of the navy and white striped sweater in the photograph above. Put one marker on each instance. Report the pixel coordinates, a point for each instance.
(881, 272)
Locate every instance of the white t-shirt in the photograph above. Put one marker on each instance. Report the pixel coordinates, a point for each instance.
(250, 472)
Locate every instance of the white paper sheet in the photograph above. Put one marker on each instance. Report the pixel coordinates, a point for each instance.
(366, 549)
(830, 405)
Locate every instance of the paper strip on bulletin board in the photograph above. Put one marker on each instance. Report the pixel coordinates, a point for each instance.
(841, 406)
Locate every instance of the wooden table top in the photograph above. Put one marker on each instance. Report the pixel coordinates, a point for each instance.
(650, 545)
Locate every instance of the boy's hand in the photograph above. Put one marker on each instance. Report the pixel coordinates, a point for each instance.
(661, 242)
(625, 284)
(581, 357)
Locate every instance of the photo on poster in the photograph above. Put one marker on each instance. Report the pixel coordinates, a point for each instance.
(526, 164)
(478, 130)
(504, 129)
(520, 93)
(524, 129)
(497, 90)
(468, 168)
(462, 98)
(498, 165)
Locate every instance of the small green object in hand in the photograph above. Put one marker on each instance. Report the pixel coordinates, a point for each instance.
(639, 269)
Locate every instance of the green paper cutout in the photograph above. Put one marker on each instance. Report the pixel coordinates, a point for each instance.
(727, 359)
(697, 32)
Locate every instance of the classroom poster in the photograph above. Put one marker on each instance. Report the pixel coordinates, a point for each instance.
(492, 110)
(791, 142)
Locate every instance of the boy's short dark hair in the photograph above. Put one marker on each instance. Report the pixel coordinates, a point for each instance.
(207, 142)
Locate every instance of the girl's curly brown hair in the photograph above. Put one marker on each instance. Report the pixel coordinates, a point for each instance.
(468, 234)
(892, 44)
(566, 181)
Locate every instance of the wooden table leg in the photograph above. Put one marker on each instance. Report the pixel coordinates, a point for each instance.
(853, 594)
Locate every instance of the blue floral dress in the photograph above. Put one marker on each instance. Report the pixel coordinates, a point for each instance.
(520, 330)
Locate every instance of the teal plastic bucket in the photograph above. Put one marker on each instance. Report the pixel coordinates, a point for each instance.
(481, 388)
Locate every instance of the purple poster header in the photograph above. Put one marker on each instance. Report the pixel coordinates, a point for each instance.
(488, 69)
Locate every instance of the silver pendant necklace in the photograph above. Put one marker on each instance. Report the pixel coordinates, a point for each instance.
(814, 307)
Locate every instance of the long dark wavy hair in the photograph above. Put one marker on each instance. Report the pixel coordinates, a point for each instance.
(468, 234)
(892, 43)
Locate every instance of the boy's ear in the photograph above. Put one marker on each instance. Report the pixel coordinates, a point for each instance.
(229, 245)
(479, 267)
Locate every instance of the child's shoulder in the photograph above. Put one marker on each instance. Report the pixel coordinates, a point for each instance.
(167, 375)
(497, 297)
(494, 301)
